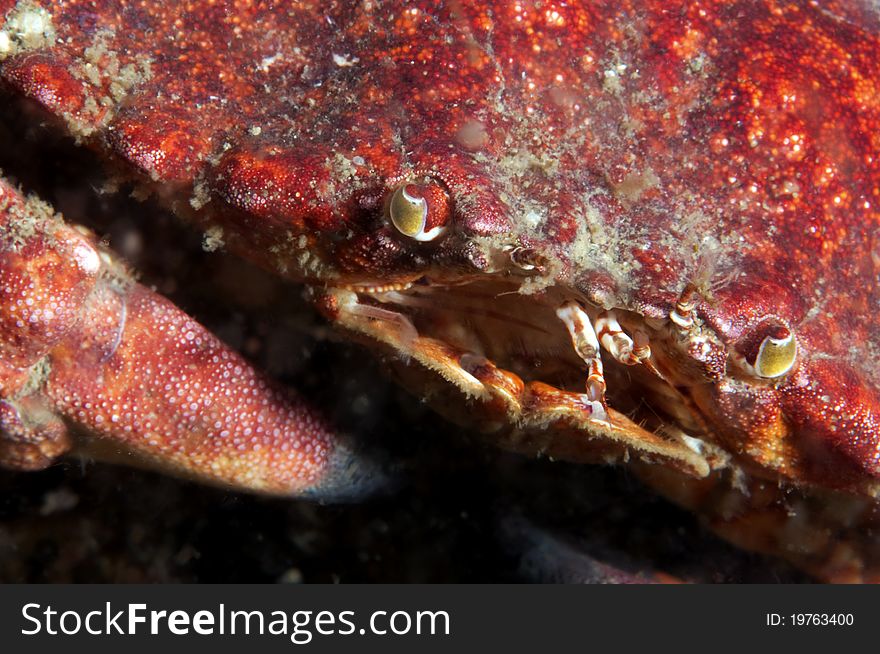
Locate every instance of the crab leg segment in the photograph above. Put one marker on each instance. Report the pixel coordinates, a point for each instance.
(617, 342)
(586, 344)
(90, 359)
(630, 351)
(682, 315)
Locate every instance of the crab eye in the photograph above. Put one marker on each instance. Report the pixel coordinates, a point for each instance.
(768, 350)
(776, 354)
(419, 211)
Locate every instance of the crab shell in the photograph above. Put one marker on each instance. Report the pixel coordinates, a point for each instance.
(446, 176)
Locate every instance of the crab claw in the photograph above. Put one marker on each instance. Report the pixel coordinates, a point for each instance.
(91, 360)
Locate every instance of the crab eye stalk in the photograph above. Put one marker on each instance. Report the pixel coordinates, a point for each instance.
(776, 355)
(419, 211)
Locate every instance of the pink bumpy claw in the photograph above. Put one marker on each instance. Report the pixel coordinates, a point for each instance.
(91, 360)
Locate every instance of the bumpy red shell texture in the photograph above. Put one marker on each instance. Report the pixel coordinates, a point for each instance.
(636, 145)
(644, 144)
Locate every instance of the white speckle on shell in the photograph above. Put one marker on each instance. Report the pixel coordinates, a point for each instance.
(344, 60)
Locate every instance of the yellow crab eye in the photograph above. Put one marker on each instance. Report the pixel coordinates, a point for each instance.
(419, 211)
(408, 211)
(776, 355)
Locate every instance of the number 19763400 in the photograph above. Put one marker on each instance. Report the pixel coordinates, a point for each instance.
(810, 619)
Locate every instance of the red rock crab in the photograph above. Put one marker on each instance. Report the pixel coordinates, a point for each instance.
(634, 232)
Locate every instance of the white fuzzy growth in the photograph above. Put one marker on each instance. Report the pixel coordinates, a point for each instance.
(344, 60)
(27, 27)
(35, 22)
(534, 218)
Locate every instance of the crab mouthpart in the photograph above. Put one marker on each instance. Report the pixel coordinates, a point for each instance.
(533, 364)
